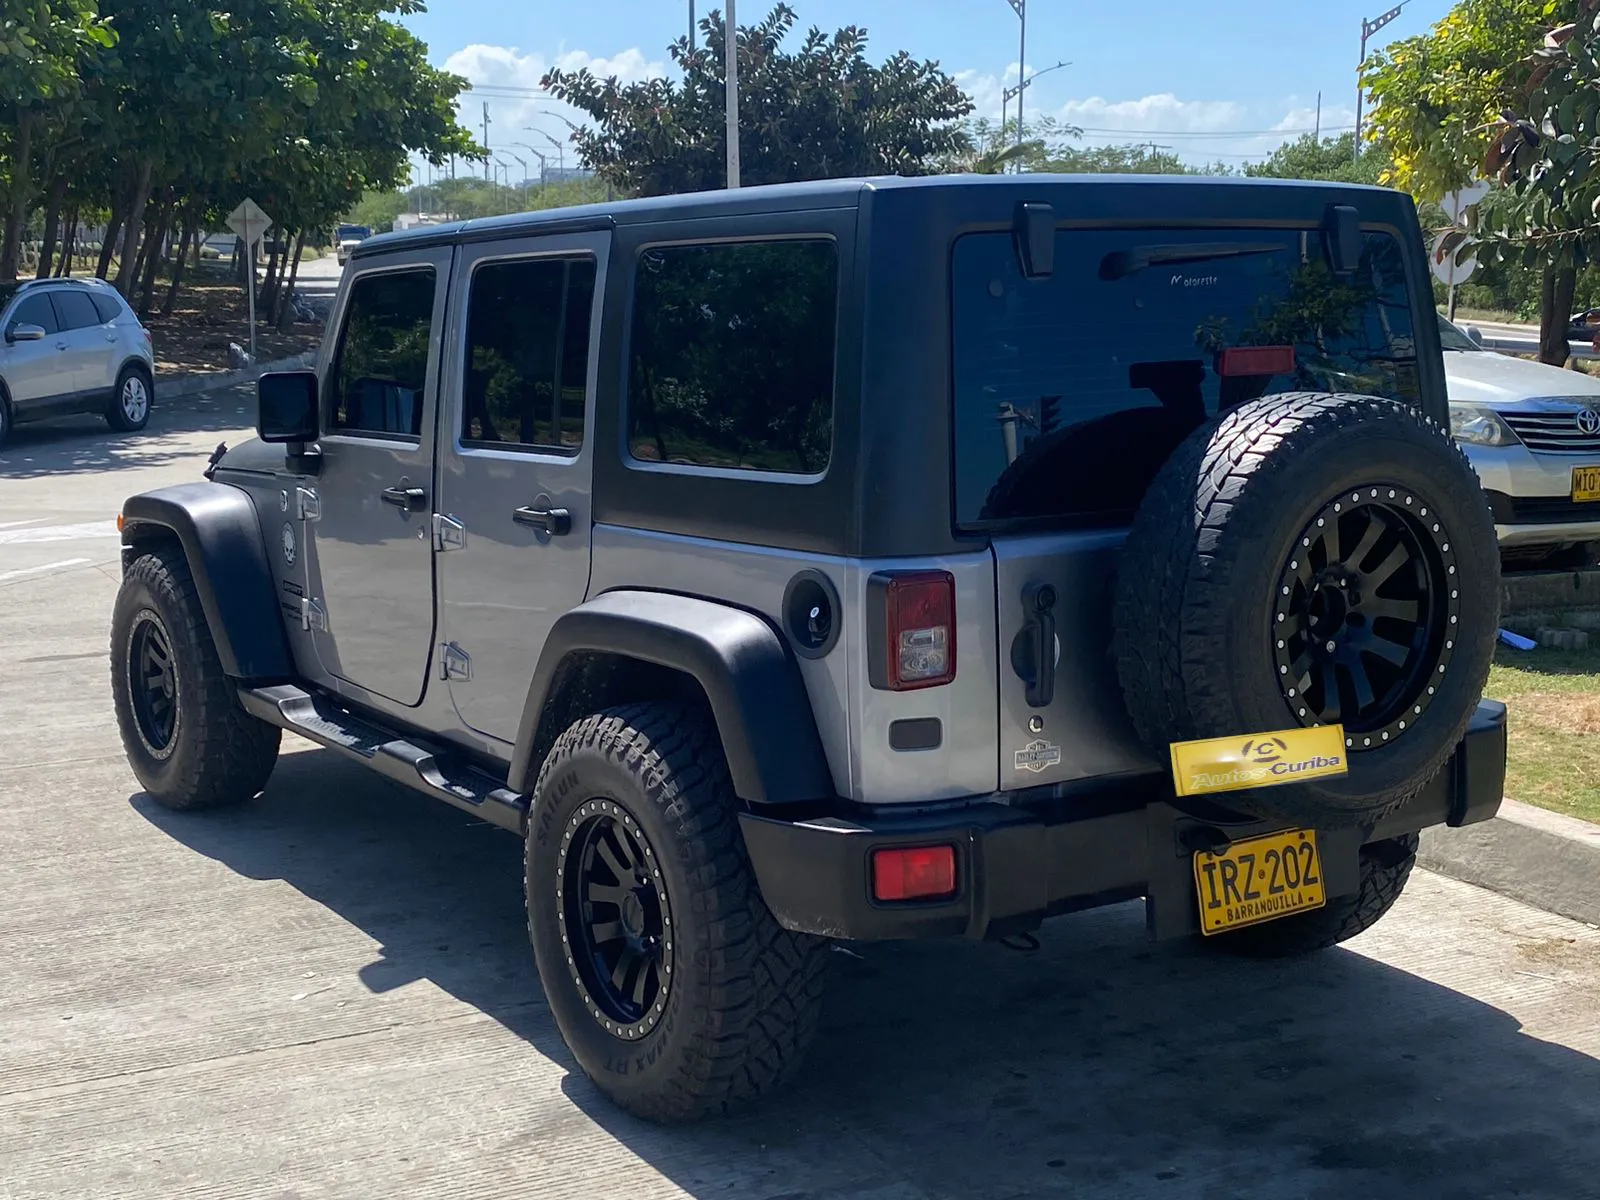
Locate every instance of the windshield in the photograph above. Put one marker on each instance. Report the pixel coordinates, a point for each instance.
(1451, 337)
(349, 233)
(1072, 390)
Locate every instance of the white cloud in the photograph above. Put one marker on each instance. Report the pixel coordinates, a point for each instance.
(520, 115)
(1163, 113)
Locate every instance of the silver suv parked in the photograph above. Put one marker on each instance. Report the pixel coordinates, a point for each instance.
(72, 346)
(862, 559)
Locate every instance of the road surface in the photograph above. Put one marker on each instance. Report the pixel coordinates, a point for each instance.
(328, 994)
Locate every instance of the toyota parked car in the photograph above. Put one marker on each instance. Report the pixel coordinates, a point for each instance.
(1532, 432)
(72, 346)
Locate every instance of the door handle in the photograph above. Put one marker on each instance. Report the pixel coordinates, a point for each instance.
(61, 345)
(111, 337)
(412, 499)
(554, 521)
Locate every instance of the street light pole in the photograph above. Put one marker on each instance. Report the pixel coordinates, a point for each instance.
(691, 24)
(544, 166)
(1368, 28)
(1021, 86)
(731, 54)
(1020, 7)
(523, 163)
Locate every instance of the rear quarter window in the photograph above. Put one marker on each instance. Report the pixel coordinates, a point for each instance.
(1071, 391)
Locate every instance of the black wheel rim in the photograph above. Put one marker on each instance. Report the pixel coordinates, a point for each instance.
(153, 683)
(616, 924)
(1366, 614)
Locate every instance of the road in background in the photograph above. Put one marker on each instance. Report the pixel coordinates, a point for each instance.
(329, 993)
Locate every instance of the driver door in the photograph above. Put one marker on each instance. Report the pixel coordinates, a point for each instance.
(371, 552)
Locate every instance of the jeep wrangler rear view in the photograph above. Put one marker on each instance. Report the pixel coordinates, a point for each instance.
(854, 560)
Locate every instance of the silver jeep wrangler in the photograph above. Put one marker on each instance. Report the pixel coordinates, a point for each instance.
(854, 560)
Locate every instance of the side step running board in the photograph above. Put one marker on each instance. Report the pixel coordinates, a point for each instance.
(320, 719)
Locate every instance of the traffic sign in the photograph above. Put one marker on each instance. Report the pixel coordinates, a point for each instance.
(1443, 262)
(1456, 203)
(249, 222)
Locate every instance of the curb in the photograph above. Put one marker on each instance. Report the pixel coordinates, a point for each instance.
(188, 385)
(1541, 858)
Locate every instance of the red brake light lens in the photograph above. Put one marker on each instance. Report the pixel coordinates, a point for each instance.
(1256, 360)
(915, 873)
(921, 627)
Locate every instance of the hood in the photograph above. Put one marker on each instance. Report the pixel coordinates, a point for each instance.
(1498, 380)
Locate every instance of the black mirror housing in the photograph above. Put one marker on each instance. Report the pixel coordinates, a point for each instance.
(287, 407)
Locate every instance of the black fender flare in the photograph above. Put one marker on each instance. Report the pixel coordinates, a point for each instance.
(217, 528)
(751, 680)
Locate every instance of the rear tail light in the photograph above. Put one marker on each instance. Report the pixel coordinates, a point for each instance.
(914, 873)
(919, 627)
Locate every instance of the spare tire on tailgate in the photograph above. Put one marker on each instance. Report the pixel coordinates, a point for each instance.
(1313, 559)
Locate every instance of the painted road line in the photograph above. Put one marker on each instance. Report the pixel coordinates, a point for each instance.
(59, 533)
(15, 524)
(6, 576)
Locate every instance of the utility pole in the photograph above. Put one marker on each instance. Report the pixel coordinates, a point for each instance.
(731, 54)
(691, 24)
(1317, 136)
(1021, 9)
(486, 173)
(1368, 28)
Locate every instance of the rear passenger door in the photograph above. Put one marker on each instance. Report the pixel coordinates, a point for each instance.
(89, 342)
(371, 565)
(515, 465)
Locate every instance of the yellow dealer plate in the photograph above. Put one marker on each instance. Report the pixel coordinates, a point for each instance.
(1585, 484)
(1258, 880)
(1232, 764)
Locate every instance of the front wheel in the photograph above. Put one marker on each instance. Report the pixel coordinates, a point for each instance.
(1385, 867)
(130, 401)
(671, 982)
(189, 743)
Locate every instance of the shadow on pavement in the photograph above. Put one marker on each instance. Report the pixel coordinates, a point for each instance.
(82, 444)
(1098, 1065)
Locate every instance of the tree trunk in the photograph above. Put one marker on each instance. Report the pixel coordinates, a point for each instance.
(108, 243)
(69, 247)
(1555, 313)
(286, 304)
(21, 194)
(171, 301)
(52, 227)
(267, 300)
(139, 197)
(153, 256)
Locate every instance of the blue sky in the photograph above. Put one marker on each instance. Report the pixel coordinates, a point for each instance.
(1206, 80)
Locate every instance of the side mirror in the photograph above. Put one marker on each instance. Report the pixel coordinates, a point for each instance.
(1475, 334)
(25, 333)
(287, 408)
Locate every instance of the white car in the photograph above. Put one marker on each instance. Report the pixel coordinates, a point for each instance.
(1532, 432)
(72, 346)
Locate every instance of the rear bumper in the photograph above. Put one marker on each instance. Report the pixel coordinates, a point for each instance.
(1017, 865)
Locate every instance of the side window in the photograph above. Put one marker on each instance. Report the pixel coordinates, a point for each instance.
(74, 310)
(528, 354)
(380, 371)
(107, 307)
(731, 359)
(35, 310)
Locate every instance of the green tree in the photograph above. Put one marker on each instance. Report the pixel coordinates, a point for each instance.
(1330, 158)
(819, 112)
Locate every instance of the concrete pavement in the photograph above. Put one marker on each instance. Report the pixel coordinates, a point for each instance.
(328, 994)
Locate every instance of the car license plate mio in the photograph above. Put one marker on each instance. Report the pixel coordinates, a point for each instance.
(1585, 484)
(1258, 880)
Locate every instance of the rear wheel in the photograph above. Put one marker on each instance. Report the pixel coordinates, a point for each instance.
(129, 411)
(1385, 868)
(1313, 560)
(673, 985)
(5, 417)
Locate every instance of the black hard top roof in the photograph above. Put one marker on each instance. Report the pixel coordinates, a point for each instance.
(818, 194)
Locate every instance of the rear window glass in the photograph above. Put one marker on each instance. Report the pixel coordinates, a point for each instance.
(106, 306)
(1071, 391)
(74, 310)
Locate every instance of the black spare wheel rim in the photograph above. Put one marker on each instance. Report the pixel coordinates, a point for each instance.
(616, 923)
(1366, 614)
(153, 684)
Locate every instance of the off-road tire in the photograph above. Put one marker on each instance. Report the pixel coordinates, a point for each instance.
(744, 1000)
(5, 416)
(217, 753)
(115, 416)
(1385, 868)
(1198, 585)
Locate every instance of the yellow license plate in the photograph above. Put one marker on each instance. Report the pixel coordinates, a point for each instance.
(1258, 880)
(1585, 484)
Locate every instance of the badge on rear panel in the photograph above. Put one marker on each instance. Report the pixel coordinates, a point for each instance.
(1037, 755)
(288, 543)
